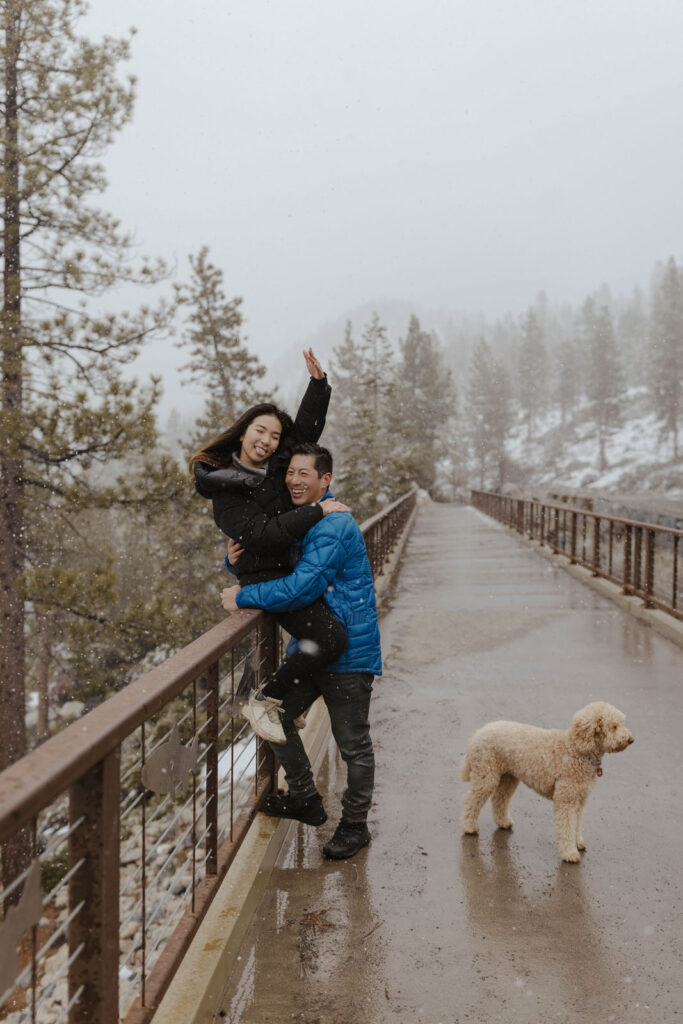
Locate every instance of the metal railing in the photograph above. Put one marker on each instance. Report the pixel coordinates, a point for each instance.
(128, 820)
(382, 530)
(642, 558)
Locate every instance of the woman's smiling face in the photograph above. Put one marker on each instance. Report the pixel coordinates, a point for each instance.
(260, 440)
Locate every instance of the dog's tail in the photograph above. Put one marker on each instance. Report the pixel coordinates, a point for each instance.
(464, 770)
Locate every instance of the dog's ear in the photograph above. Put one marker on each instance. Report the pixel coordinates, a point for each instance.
(587, 726)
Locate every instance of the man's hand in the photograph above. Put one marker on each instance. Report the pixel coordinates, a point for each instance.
(313, 365)
(235, 550)
(332, 505)
(229, 598)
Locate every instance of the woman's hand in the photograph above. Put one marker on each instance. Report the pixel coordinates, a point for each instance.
(313, 365)
(332, 505)
(229, 598)
(235, 551)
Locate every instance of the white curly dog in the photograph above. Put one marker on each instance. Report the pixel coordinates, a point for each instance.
(561, 764)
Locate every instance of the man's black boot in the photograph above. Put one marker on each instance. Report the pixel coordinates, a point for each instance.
(348, 839)
(310, 811)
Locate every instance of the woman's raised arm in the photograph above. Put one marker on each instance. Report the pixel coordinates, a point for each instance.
(313, 364)
(310, 419)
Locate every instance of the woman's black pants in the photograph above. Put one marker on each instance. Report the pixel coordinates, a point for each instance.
(321, 640)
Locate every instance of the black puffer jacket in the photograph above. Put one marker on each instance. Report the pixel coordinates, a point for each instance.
(257, 511)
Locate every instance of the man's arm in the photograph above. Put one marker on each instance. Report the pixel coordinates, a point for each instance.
(245, 521)
(321, 561)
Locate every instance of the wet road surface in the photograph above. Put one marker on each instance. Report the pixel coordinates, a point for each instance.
(427, 925)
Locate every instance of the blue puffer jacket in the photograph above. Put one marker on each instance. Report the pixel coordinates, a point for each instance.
(333, 563)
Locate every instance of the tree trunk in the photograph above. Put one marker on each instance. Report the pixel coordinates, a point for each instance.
(12, 540)
(603, 456)
(675, 433)
(43, 682)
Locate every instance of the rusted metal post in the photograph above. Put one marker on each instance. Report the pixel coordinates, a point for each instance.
(555, 535)
(542, 530)
(266, 774)
(637, 559)
(674, 580)
(649, 568)
(212, 703)
(596, 546)
(626, 583)
(95, 798)
(584, 528)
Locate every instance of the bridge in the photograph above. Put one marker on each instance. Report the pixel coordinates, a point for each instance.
(165, 896)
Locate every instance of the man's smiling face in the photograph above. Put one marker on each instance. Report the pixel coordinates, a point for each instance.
(303, 483)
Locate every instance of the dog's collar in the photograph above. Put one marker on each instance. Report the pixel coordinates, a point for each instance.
(596, 762)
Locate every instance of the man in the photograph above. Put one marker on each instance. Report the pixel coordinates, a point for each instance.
(333, 564)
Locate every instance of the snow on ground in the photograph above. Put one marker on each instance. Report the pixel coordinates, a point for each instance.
(638, 458)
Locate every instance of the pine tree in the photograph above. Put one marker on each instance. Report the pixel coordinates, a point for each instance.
(604, 385)
(219, 359)
(363, 378)
(423, 410)
(489, 414)
(567, 363)
(105, 611)
(533, 371)
(345, 379)
(666, 350)
(633, 332)
(65, 408)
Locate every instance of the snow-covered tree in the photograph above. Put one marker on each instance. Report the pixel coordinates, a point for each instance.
(423, 410)
(362, 373)
(604, 381)
(532, 374)
(488, 415)
(666, 350)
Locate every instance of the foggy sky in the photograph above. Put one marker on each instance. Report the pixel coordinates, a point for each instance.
(450, 153)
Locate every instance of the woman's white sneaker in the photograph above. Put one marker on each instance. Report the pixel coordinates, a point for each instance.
(263, 715)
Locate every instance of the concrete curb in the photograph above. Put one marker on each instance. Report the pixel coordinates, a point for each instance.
(665, 624)
(196, 990)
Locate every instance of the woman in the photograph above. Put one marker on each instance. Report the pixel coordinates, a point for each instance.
(243, 472)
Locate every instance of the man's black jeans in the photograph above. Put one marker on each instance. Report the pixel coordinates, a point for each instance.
(347, 696)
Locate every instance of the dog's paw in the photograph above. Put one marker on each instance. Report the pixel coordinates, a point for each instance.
(470, 831)
(505, 824)
(580, 845)
(571, 857)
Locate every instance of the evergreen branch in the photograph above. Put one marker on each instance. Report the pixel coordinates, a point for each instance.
(57, 140)
(101, 620)
(74, 453)
(43, 485)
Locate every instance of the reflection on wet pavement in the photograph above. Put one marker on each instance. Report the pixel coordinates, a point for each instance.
(429, 925)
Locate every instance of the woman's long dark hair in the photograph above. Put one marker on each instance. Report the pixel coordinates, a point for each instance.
(218, 452)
